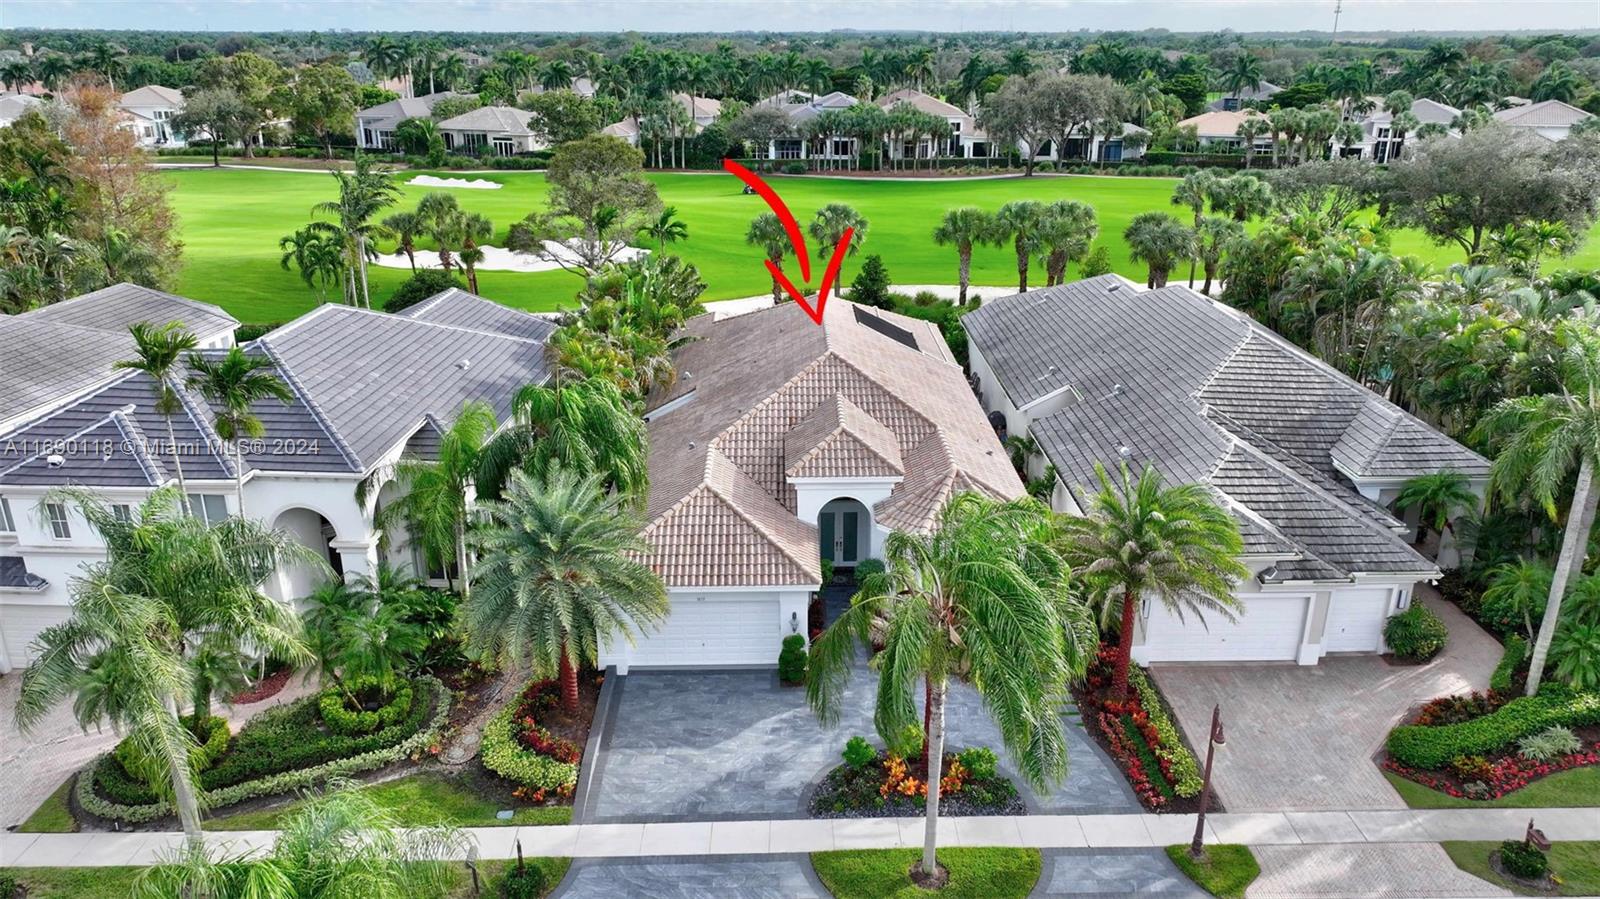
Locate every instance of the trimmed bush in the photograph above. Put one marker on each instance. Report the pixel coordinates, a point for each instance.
(1418, 746)
(858, 752)
(980, 762)
(502, 755)
(212, 741)
(1522, 860)
(792, 660)
(1416, 633)
(341, 719)
(522, 882)
(794, 168)
(1504, 678)
(1179, 761)
(868, 566)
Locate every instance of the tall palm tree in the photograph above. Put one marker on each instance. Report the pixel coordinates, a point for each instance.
(556, 75)
(963, 228)
(667, 228)
(234, 384)
(1544, 439)
(1194, 191)
(406, 227)
(1250, 129)
(1243, 73)
(828, 228)
(169, 582)
(158, 351)
(1066, 232)
(1214, 237)
(1141, 540)
(581, 425)
(474, 228)
(1160, 242)
(363, 192)
(766, 231)
(984, 597)
(434, 501)
(385, 57)
(17, 74)
(108, 59)
(1019, 221)
(559, 575)
(451, 70)
(441, 216)
(53, 69)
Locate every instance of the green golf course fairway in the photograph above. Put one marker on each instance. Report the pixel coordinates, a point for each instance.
(231, 219)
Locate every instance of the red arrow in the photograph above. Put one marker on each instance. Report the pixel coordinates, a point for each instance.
(828, 278)
(796, 239)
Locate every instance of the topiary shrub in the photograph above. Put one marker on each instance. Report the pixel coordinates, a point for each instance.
(858, 752)
(794, 168)
(1419, 746)
(980, 762)
(211, 741)
(792, 660)
(1523, 860)
(1505, 675)
(502, 754)
(334, 705)
(522, 882)
(1416, 633)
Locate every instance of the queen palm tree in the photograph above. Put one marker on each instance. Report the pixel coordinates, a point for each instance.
(1438, 498)
(581, 425)
(963, 228)
(363, 192)
(1194, 191)
(982, 596)
(1160, 242)
(406, 227)
(766, 231)
(1020, 222)
(234, 384)
(434, 500)
(158, 351)
(828, 228)
(17, 74)
(1543, 440)
(559, 575)
(1141, 540)
(318, 255)
(667, 228)
(169, 582)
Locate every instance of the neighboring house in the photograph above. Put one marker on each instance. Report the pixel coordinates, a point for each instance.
(375, 125)
(1220, 130)
(1308, 461)
(1234, 102)
(1080, 148)
(703, 110)
(783, 443)
(503, 130)
(1550, 119)
(1379, 141)
(150, 111)
(801, 107)
(965, 140)
(15, 106)
(369, 387)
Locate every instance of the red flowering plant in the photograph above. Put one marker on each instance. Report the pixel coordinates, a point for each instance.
(538, 699)
(1148, 756)
(1494, 778)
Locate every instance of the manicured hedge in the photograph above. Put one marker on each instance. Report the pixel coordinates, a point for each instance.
(202, 756)
(340, 719)
(534, 770)
(280, 750)
(1432, 747)
(1505, 673)
(1184, 769)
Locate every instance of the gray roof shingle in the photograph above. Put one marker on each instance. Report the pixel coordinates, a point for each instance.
(120, 306)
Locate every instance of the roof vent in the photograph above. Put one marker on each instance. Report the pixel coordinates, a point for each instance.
(1125, 451)
(1113, 286)
(691, 444)
(464, 363)
(55, 460)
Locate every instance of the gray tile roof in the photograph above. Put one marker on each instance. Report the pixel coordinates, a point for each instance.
(468, 310)
(118, 307)
(1544, 114)
(14, 574)
(44, 361)
(1205, 394)
(490, 119)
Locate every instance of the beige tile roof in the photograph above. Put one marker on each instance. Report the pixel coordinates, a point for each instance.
(762, 393)
(1219, 123)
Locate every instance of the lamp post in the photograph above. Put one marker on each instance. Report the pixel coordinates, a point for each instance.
(1197, 847)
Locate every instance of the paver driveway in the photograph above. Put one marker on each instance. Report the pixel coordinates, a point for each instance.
(732, 745)
(1302, 738)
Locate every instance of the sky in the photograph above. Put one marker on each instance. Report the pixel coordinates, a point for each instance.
(801, 15)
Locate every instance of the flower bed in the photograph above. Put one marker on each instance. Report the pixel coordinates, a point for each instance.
(516, 747)
(1140, 736)
(885, 785)
(1494, 778)
(281, 750)
(334, 703)
(1433, 746)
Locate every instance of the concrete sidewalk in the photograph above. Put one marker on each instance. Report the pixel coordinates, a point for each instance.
(704, 838)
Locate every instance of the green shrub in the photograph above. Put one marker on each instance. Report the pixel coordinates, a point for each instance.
(794, 168)
(980, 762)
(1097, 263)
(792, 660)
(871, 286)
(869, 566)
(858, 752)
(908, 743)
(8, 886)
(522, 882)
(1504, 678)
(1416, 633)
(502, 755)
(1185, 769)
(249, 332)
(211, 741)
(1523, 860)
(1419, 746)
(827, 572)
(1548, 744)
(1575, 654)
(420, 286)
(336, 712)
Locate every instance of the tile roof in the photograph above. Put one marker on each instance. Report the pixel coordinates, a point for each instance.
(763, 394)
(153, 95)
(496, 119)
(1219, 123)
(408, 107)
(14, 574)
(42, 362)
(922, 101)
(1170, 378)
(1545, 114)
(120, 306)
(467, 310)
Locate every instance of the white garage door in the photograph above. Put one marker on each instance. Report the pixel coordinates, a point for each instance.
(1355, 620)
(1268, 630)
(713, 630)
(19, 624)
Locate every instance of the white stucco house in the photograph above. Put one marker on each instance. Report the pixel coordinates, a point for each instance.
(502, 130)
(783, 443)
(375, 125)
(1550, 119)
(150, 110)
(1308, 460)
(368, 388)
(1379, 140)
(703, 111)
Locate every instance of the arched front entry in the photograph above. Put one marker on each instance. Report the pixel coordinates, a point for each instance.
(311, 529)
(845, 530)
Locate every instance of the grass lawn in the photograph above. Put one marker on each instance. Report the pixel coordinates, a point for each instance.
(1577, 788)
(1226, 872)
(98, 883)
(885, 873)
(416, 800)
(53, 815)
(1576, 865)
(231, 219)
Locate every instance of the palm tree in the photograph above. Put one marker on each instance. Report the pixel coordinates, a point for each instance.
(1543, 440)
(318, 255)
(473, 228)
(1019, 221)
(406, 226)
(434, 503)
(385, 57)
(1066, 232)
(1214, 237)
(362, 193)
(360, 630)
(969, 83)
(580, 425)
(17, 74)
(1438, 498)
(1160, 242)
(1521, 587)
(828, 228)
(559, 575)
(1142, 539)
(108, 59)
(983, 596)
(556, 75)
(1250, 129)
(233, 384)
(158, 350)
(767, 232)
(1244, 73)
(963, 228)
(1194, 191)
(169, 582)
(1242, 196)
(53, 69)
(667, 228)
(1017, 61)
(441, 217)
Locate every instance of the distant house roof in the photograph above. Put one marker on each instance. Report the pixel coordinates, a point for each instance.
(120, 306)
(627, 128)
(13, 106)
(1262, 92)
(802, 106)
(1206, 394)
(1544, 114)
(1432, 111)
(701, 107)
(770, 395)
(468, 310)
(153, 95)
(1219, 123)
(408, 107)
(490, 120)
(921, 101)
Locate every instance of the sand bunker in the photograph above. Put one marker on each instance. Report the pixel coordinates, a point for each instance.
(474, 184)
(499, 259)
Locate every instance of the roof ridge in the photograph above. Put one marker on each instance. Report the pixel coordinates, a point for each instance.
(739, 511)
(206, 429)
(171, 296)
(118, 375)
(311, 404)
(137, 443)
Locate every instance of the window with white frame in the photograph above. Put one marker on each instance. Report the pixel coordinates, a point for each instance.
(8, 525)
(56, 514)
(208, 507)
(122, 512)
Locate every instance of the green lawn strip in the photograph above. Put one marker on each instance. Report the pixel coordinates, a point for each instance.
(1226, 873)
(98, 883)
(54, 815)
(417, 800)
(1576, 788)
(230, 221)
(1575, 864)
(993, 873)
